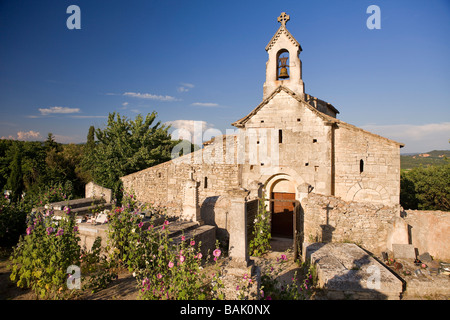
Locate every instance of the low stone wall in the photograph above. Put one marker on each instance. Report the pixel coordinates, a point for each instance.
(330, 219)
(88, 233)
(429, 231)
(93, 190)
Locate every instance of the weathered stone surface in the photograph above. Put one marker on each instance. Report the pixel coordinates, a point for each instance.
(430, 232)
(93, 190)
(425, 257)
(330, 219)
(403, 251)
(238, 249)
(346, 271)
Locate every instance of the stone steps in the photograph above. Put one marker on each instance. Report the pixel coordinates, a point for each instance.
(205, 234)
(80, 212)
(77, 203)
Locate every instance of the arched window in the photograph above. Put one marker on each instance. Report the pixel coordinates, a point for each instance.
(361, 166)
(283, 64)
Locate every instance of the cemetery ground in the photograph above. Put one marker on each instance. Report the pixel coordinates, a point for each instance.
(420, 283)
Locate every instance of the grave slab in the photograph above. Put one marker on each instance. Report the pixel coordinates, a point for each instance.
(404, 251)
(345, 271)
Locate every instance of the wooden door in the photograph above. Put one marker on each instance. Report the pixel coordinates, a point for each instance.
(283, 214)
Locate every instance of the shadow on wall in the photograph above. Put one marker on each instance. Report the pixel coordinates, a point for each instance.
(214, 212)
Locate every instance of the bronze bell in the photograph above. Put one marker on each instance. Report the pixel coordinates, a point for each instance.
(283, 73)
(283, 70)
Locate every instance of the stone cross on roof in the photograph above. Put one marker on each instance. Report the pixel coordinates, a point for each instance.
(283, 18)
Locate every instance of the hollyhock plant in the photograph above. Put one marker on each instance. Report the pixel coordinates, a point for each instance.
(55, 251)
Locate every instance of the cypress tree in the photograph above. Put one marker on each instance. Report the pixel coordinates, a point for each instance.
(15, 180)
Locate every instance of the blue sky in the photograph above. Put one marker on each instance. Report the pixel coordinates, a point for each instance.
(205, 61)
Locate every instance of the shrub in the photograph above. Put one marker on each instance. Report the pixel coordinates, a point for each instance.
(12, 220)
(41, 258)
(272, 290)
(260, 243)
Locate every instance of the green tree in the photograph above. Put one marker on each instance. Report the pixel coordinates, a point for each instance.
(15, 180)
(90, 143)
(428, 187)
(126, 146)
(85, 168)
(50, 143)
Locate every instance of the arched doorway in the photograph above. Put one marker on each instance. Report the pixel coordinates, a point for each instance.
(282, 204)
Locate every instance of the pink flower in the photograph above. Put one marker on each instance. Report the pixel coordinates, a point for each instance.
(166, 223)
(199, 255)
(75, 229)
(237, 288)
(29, 230)
(150, 227)
(182, 259)
(183, 238)
(283, 257)
(159, 275)
(216, 253)
(170, 264)
(192, 243)
(140, 224)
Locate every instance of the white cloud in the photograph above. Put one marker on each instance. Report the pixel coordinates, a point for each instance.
(29, 135)
(193, 130)
(417, 138)
(185, 87)
(150, 96)
(125, 104)
(58, 110)
(10, 137)
(68, 139)
(205, 104)
(88, 117)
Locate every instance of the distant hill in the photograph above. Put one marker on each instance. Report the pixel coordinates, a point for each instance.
(435, 157)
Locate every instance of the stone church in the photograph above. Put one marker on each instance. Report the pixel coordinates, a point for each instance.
(292, 150)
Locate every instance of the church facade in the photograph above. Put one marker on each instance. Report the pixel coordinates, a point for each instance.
(289, 146)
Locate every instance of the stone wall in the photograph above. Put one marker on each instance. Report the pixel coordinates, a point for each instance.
(93, 190)
(330, 219)
(429, 231)
(304, 149)
(164, 184)
(367, 166)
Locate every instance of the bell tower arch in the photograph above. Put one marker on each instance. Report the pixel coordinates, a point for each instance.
(283, 45)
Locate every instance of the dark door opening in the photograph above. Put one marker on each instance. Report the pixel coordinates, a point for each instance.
(282, 214)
